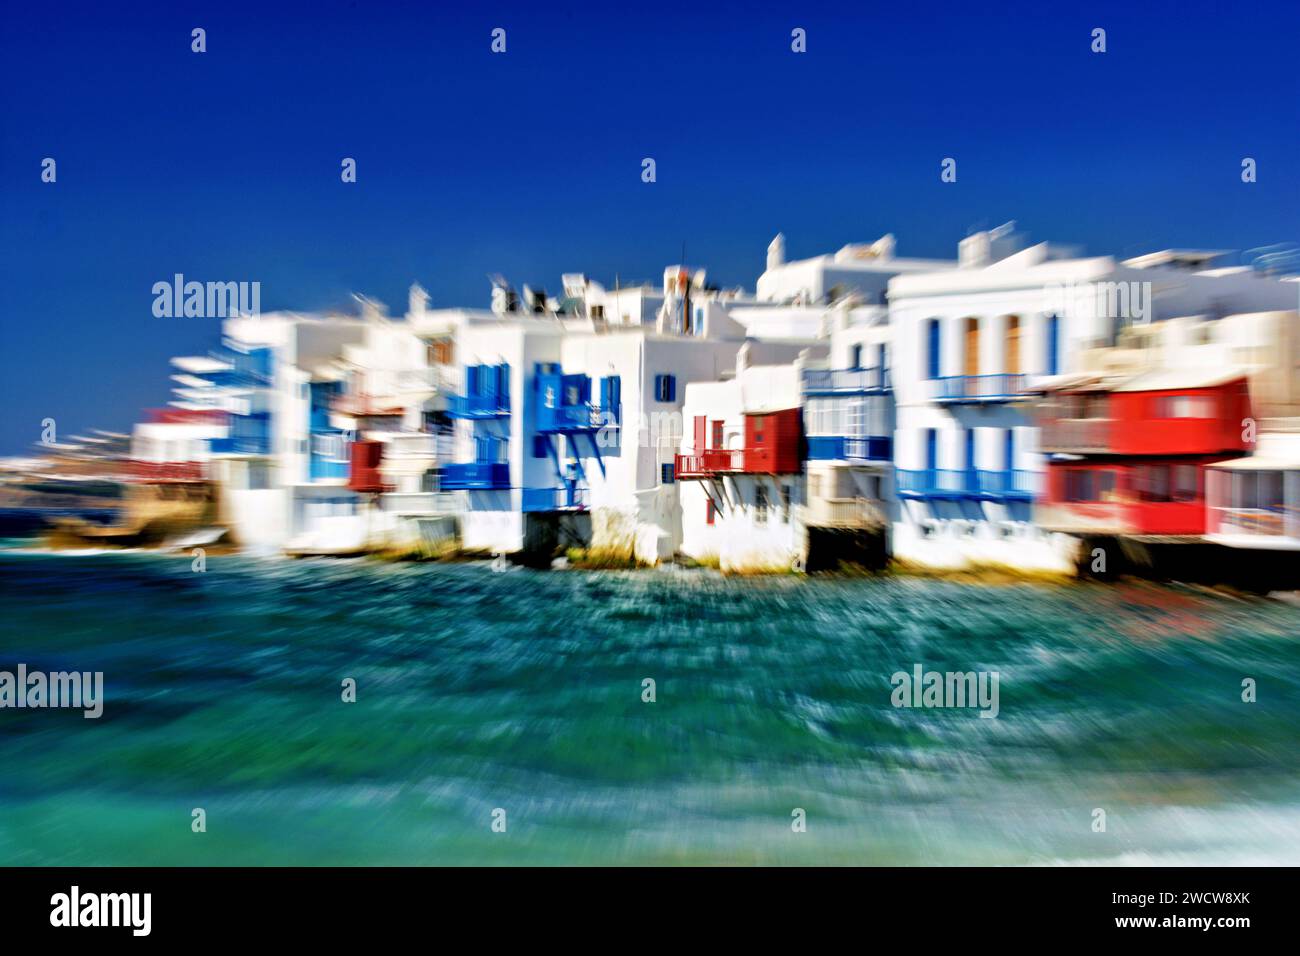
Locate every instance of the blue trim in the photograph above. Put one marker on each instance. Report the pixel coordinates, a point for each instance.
(846, 448)
(475, 475)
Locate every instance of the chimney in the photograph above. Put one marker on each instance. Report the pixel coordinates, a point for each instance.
(417, 302)
(974, 251)
(776, 252)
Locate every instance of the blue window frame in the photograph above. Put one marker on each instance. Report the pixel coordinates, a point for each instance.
(665, 388)
(666, 473)
(931, 449)
(933, 343)
(611, 397)
(1053, 337)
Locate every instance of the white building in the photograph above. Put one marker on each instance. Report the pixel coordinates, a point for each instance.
(971, 345)
(740, 467)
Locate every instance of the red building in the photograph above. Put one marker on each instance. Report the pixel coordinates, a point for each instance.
(1128, 456)
(773, 446)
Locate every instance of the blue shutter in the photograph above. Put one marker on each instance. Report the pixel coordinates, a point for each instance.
(666, 473)
(1053, 343)
(931, 449)
(934, 344)
(672, 388)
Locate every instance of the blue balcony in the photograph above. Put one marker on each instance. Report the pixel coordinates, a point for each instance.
(554, 499)
(1008, 485)
(249, 435)
(564, 402)
(951, 484)
(583, 417)
(977, 389)
(937, 483)
(846, 381)
(847, 448)
(251, 369)
(494, 405)
(325, 469)
(475, 476)
(487, 393)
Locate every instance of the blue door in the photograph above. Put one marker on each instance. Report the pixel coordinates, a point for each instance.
(971, 478)
(931, 449)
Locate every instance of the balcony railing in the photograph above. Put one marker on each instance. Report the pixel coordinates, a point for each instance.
(955, 389)
(1251, 521)
(554, 499)
(432, 379)
(483, 405)
(423, 502)
(1077, 435)
(584, 416)
(710, 462)
(365, 404)
(935, 483)
(968, 483)
(843, 513)
(850, 448)
(1008, 484)
(327, 469)
(419, 446)
(839, 381)
(475, 476)
(166, 471)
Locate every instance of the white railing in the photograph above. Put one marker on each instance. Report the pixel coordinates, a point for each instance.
(423, 502)
(432, 379)
(420, 445)
(843, 513)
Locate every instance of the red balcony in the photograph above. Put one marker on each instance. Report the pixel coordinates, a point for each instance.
(364, 475)
(187, 416)
(706, 464)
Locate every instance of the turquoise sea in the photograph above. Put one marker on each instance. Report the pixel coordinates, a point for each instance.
(522, 691)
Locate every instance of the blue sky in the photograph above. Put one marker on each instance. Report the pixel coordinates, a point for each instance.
(225, 165)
